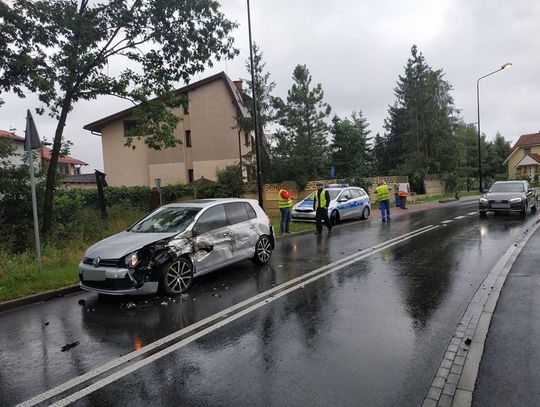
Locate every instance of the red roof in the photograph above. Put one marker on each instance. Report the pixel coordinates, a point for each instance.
(46, 155)
(11, 136)
(535, 157)
(527, 140)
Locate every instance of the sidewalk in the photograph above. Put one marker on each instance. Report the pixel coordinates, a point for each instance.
(509, 373)
(395, 212)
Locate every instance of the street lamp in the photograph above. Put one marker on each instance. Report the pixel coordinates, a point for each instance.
(255, 125)
(507, 65)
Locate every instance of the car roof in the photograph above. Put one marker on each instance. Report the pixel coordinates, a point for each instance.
(204, 203)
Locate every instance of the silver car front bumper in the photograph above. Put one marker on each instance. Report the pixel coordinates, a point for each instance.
(111, 280)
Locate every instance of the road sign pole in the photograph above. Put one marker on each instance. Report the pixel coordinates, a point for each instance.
(34, 208)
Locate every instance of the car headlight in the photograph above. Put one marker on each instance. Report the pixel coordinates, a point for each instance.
(132, 259)
(483, 200)
(515, 200)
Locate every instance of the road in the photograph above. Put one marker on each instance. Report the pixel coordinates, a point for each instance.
(369, 327)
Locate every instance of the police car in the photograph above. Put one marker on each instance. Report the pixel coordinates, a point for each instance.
(345, 203)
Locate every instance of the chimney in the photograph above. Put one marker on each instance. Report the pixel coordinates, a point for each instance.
(239, 84)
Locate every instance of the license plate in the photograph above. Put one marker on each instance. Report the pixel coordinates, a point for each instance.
(303, 215)
(500, 206)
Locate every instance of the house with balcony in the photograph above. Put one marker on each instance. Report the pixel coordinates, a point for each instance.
(524, 160)
(210, 139)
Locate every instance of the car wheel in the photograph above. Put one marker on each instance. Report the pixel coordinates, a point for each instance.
(263, 250)
(483, 214)
(524, 210)
(176, 277)
(365, 213)
(334, 218)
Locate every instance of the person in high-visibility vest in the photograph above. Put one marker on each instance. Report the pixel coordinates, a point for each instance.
(284, 205)
(321, 200)
(404, 191)
(383, 197)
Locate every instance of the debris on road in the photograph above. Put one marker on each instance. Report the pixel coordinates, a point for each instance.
(468, 341)
(131, 305)
(68, 346)
(82, 302)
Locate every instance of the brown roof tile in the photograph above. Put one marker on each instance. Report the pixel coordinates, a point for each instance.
(527, 140)
(46, 155)
(11, 136)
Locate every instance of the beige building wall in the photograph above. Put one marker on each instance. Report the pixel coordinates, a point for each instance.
(215, 143)
(517, 157)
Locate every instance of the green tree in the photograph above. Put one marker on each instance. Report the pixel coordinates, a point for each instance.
(302, 145)
(63, 49)
(420, 126)
(350, 151)
(230, 181)
(265, 110)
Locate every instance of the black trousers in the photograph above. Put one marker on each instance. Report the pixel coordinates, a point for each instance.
(322, 215)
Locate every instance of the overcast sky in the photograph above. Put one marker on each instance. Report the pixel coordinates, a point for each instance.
(356, 50)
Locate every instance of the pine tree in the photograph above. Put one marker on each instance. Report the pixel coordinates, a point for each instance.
(350, 152)
(303, 119)
(419, 129)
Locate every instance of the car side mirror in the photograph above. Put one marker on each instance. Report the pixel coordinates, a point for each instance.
(486, 191)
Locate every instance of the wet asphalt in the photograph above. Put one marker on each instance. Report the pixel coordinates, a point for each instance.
(372, 333)
(509, 373)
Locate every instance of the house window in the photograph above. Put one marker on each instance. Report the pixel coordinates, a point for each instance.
(246, 139)
(191, 176)
(128, 126)
(188, 138)
(185, 105)
(527, 151)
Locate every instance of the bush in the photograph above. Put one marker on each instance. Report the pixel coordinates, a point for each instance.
(230, 181)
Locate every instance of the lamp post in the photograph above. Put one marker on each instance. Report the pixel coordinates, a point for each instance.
(255, 125)
(507, 65)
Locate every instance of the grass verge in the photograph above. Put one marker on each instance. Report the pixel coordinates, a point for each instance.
(293, 226)
(61, 254)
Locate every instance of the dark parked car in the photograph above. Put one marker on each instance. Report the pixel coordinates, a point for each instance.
(508, 196)
(177, 242)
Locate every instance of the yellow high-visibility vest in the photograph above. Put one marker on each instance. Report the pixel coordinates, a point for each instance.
(323, 199)
(282, 202)
(382, 193)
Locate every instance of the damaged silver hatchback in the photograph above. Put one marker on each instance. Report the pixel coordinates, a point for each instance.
(168, 248)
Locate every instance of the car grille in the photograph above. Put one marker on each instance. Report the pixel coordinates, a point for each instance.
(109, 284)
(504, 201)
(304, 210)
(103, 262)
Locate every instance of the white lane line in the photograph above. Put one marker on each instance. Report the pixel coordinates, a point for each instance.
(137, 365)
(459, 217)
(444, 222)
(40, 398)
(472, 213)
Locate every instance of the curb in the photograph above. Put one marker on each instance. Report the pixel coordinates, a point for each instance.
(34, 298)
(454, 382)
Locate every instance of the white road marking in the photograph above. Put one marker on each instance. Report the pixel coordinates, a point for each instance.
(472, 213)
(287, 287)
(444, 222)
(459, 217)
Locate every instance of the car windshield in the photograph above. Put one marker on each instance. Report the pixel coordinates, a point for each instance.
(507, 187)
(166, 220)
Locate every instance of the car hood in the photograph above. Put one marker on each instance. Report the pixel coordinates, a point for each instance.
(499, 196)
(124, 243)
(305, 204)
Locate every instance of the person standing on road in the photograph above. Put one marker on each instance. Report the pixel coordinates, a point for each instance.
(404, 191)
(284, 205)
(320, 206)
(396, 194)
(383, 197)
